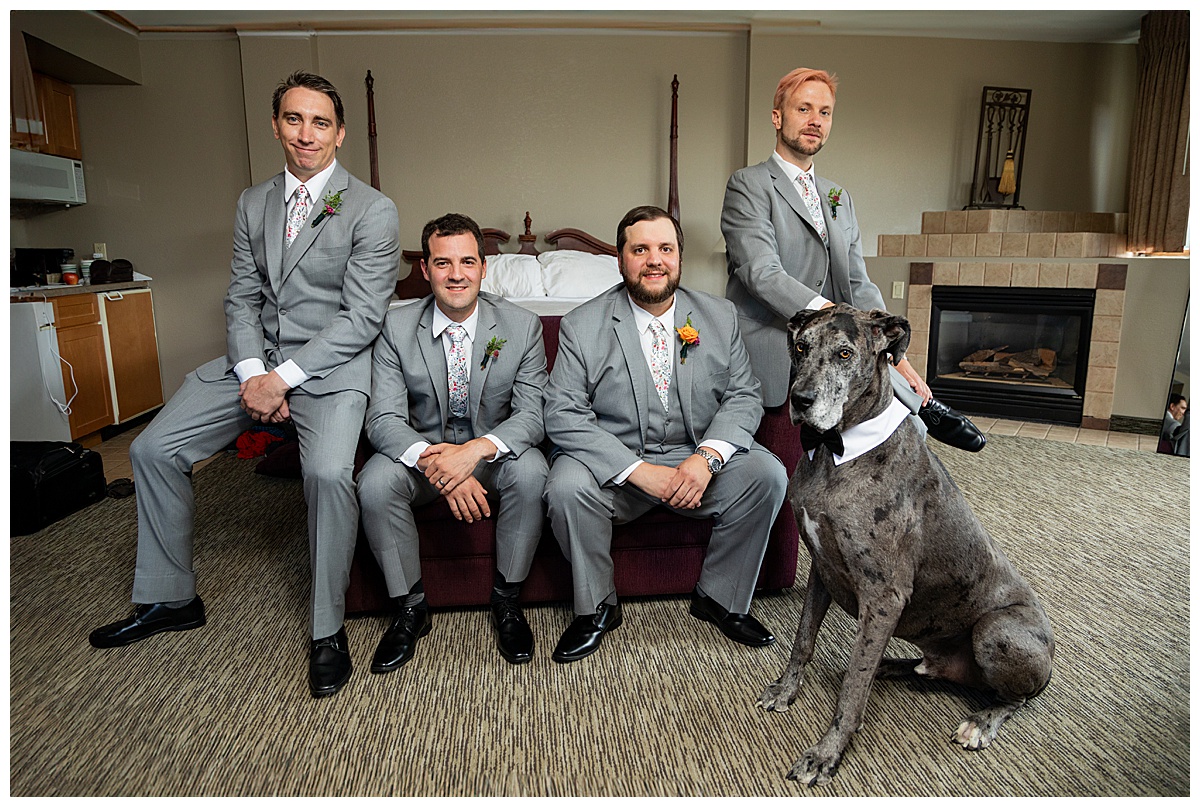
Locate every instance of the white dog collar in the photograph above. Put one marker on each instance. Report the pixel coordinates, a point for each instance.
(858, 440)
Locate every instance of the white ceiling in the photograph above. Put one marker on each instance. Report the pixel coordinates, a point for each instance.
(1038, 26)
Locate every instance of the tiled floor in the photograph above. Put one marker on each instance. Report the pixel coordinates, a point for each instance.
(115, 452)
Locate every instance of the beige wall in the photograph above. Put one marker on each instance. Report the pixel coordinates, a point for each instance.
(907, 117)
(573, 128)
(164, 163)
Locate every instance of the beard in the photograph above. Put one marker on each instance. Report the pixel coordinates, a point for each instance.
(645, 296)
(798, 145)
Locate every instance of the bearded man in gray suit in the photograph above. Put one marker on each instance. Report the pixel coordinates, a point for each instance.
(793, 243)
(314, 263)
(651, 402)
(456, 412)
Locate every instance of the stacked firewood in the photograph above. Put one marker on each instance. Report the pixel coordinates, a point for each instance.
(1039, 362)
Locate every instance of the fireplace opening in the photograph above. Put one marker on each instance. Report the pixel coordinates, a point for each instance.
(1011, 352)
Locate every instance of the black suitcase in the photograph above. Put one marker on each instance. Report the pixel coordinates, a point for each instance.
(51, 481)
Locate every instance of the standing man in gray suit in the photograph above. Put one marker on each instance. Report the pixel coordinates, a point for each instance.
(792, 243)
(314, 263)
(651, 402)
(456, 411)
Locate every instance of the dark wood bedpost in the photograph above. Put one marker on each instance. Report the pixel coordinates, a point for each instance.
(371, 131)
(673, 192)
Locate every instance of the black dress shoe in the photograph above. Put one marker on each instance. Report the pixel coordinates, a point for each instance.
(513, 636)
(329, 665)
(741, 628)
(951, 427)
(582, 637)
(399, 641)
(148, 620)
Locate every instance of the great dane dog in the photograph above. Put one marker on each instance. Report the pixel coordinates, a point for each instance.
(894, 544)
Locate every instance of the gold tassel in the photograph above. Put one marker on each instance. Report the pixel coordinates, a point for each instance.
(1008, 177)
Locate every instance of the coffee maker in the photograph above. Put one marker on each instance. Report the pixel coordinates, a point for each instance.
(31, 266)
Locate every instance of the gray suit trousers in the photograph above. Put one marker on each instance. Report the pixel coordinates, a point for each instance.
(389, 490)
(742, 500)
(202, 418)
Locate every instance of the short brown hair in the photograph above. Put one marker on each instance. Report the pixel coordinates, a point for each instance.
(646, 213)
(308, 81)
(450, 224)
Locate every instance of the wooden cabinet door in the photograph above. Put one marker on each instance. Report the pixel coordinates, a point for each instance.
(82, 347)
(57, 99)
(133, 348)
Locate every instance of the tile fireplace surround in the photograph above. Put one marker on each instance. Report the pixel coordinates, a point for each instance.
(1108, 279)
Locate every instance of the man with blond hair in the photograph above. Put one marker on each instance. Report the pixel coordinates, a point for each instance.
(793, 243)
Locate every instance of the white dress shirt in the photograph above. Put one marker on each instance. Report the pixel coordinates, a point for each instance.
(440, 323)
(289, 371)
(642, 319)
(793, 172)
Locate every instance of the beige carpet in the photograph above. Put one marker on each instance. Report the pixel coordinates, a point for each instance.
(666, 708)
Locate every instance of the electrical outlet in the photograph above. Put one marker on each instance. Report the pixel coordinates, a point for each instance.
(898, 290)
(101, 248)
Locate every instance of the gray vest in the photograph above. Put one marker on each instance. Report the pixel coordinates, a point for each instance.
(664, 430)
(458, 431)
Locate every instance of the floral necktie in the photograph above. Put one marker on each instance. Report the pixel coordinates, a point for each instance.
(298, 216)
(813, 203)
(458, 370)
(660, 361)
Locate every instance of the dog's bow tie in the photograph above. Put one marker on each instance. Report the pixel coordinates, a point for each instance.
(811, 439)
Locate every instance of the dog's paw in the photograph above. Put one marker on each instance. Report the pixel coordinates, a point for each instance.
(779, 695)
(978, 730)
(815, 767)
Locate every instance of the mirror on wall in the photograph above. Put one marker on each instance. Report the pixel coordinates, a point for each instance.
(1175, 437)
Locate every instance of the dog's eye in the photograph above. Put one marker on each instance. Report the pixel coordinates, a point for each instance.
(799, 350)
(845, 354)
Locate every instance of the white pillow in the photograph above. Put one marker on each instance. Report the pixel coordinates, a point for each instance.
(510, 275)
(570, 273)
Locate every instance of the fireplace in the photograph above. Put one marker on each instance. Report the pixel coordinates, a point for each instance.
(1011, 352)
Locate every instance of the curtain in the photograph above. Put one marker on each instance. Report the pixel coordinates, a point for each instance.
(1158, 183)
(25, 115)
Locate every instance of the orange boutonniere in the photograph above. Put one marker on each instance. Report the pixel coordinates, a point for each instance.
(688, 337)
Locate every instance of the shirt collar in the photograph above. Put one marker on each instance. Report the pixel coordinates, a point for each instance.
(869, 434)
(642, 317)
(793, 171)
(441, 322)
(314, 186)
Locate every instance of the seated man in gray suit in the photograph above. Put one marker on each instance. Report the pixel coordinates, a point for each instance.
(314, 263)
(651, 402)
(456, 411)
(792, 243)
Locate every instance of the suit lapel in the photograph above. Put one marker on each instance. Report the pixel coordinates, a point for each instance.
(337, 183)
(682, 373)
(274, 218)
(485, 329)
(631, 348)
(435, 359)
(788, 190)
(839, 249)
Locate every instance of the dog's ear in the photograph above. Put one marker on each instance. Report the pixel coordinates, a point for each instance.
(890, 333)
(797, 324)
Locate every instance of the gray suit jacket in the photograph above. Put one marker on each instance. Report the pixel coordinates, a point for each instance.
(777, 263)
(596, 406)
(321, 302)
(410, 390)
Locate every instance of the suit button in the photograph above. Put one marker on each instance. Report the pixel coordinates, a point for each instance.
(283, 312)
(820, 283)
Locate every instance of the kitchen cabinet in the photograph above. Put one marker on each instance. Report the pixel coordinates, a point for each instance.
(85, 374)
(131, 343)
(57, 101)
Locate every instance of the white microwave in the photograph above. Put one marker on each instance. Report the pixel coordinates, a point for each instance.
(37, 177)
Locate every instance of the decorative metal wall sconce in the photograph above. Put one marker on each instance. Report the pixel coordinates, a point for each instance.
(1000, 150)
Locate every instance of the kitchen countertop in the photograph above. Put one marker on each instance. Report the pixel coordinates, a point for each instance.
(26, 293)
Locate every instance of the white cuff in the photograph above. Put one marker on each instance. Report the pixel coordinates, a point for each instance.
(248, 368)
(817, 302)
(291, 374)
(724, 450)
(501, 448)
(413, 453)
(620, 478)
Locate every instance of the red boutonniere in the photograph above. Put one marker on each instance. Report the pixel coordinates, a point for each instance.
(492, 351)
(688, 336)
(331, 204)
(835, 199)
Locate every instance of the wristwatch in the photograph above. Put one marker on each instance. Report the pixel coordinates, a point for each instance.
(715, 463)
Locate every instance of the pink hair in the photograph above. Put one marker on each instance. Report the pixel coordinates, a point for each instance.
(794, 79)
